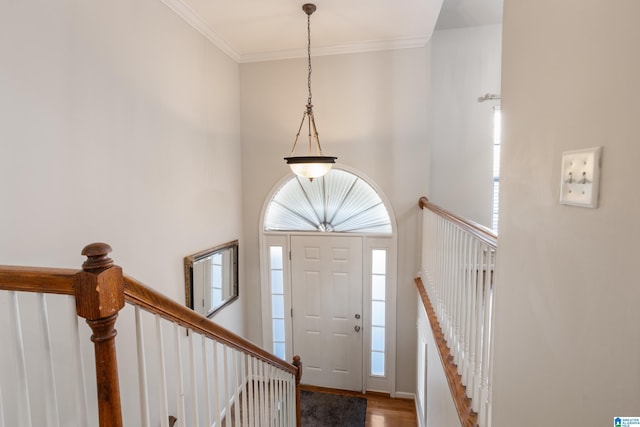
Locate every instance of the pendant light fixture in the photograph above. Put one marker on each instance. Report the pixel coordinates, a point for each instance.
(315, 164)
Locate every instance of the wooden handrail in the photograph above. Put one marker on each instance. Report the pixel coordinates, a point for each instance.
(37, 279)
(138, 294)
(61, 281)
(477, 230)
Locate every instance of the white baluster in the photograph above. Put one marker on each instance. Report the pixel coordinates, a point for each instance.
(142, 371)
(82, 416)
(267, 396)
(462, 317)
(471, 273)
(485, 392)
(281, 396)
(469, 324)
(276, 397)
(441, 281)
(455, 296)
(272, 395)
(437, 296)
(450, 285)
(250, 385)
(245, 388)
(227, 395)
(216, 382)
(481, 307)
(51, 396)
(23, 384)
(259, 392)
(263, 393)
(453, 282)
(438, 273)
(284, 389)
(180, 386)
(458, 312)
(464, 308)
(236, 387)
(164, 405)
(207, 380)
(195, 420)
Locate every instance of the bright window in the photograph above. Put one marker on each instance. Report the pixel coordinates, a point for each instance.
(276, 269)
(339, 201)
(496, 167)
(378, 304)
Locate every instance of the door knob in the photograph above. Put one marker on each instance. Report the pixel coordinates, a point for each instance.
(357, 316)
(356, 328)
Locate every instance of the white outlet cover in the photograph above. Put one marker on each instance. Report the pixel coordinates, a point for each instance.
(580, 178)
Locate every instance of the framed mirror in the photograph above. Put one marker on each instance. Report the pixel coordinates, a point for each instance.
(211, 278)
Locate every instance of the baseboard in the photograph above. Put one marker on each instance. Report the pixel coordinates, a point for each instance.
(405, 395)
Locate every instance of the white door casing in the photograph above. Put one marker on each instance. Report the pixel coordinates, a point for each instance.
(326, 274)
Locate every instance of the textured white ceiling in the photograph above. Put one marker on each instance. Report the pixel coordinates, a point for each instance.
(254, 30)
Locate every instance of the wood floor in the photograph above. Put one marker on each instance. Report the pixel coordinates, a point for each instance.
(382, 411)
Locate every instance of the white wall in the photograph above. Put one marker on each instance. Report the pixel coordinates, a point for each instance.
(118, 123)
(435, 407)
(371, 112)
(465, 65)
(566, 324)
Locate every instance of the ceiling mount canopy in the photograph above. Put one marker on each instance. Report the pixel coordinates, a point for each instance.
(315, 164)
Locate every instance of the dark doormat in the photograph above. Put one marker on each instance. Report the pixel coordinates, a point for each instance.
(332, 410)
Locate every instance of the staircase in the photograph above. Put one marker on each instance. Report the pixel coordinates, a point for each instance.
(166, 365)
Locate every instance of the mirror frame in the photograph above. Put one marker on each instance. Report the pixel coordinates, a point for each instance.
(189, 260)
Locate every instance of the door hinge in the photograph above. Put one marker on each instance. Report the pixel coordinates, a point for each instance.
(289, 255)
(292, 313)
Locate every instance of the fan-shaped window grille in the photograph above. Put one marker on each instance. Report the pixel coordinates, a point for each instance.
(339, 202)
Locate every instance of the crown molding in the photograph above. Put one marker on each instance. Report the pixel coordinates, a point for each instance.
(191, 17)
(359, 47)
(184, 11)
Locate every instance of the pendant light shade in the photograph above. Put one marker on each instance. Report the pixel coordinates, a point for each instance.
(310, 166)
(313, 165)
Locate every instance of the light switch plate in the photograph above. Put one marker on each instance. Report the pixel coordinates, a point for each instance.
(581, 177)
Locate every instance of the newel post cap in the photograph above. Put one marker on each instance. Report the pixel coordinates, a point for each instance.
(100, 285)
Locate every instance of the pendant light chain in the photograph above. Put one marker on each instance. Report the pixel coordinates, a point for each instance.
(313, 165)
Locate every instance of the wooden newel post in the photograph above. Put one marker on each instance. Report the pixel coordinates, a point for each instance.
(298, 364)
(99, 290)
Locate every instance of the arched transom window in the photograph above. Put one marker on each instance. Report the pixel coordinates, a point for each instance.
(337, 202)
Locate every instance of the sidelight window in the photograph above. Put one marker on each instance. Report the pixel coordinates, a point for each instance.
(497, 128)
(378, 315)
(277, 299)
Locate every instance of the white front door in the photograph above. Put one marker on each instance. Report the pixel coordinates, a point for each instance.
(326, 273)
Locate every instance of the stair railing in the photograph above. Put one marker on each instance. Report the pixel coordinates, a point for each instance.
(456, 286)
(190, 371)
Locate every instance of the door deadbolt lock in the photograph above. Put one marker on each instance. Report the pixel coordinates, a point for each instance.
(356, 328)
(357, 316)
